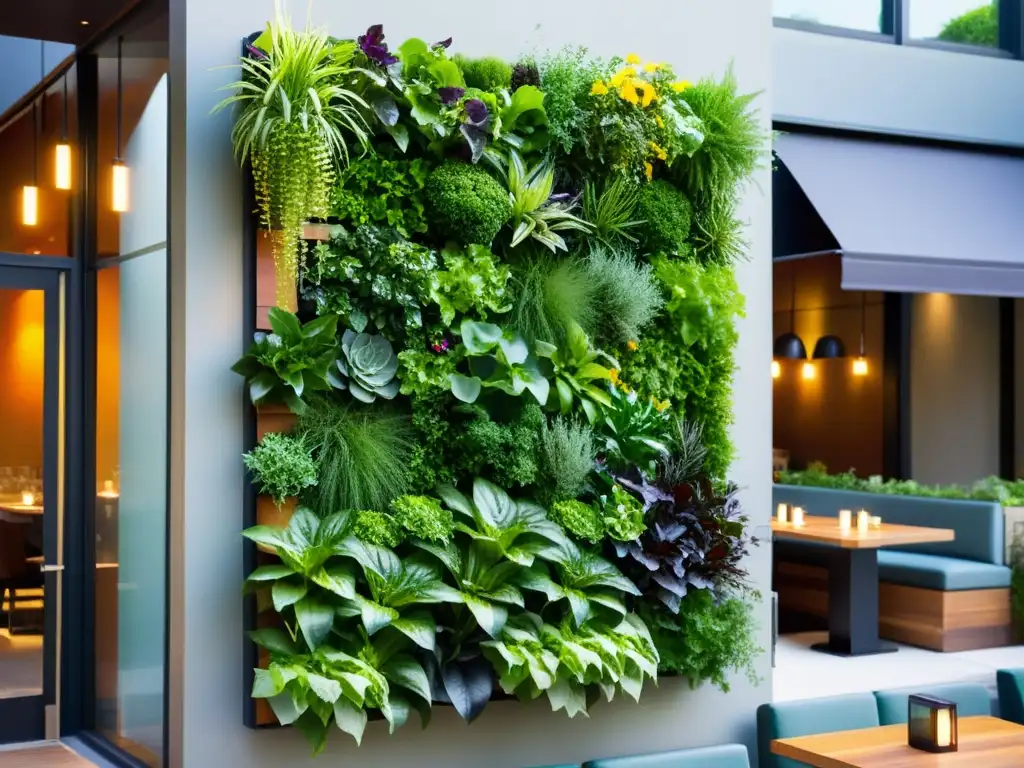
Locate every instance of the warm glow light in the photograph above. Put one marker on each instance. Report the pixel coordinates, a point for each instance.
(62, 175)
(27, 499)
(809, 371)
(943, 728)
(776, 369)
(863, 521)
(29, 206)
(860, 366)
(782, 513)
(798, 517)
(876, 521)
(119, 185)
(845, 518)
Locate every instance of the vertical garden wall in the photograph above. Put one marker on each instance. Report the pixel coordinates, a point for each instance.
(617, 394)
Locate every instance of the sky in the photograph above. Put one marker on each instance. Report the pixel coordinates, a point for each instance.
(927, 17)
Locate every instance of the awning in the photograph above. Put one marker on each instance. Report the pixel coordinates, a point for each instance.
(906, 218)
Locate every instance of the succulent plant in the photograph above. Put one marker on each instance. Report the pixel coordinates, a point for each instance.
(366, 368)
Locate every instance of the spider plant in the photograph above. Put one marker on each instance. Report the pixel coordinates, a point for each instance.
(297, 117)
(610, 211)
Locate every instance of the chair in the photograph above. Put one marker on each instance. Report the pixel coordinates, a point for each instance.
(725, 756)
(789, 719)
(1011, 694)
(970, 698)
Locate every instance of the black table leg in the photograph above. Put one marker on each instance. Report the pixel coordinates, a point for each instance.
(853, 604)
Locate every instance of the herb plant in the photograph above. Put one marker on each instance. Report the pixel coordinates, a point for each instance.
(466, 204)
(282, 466)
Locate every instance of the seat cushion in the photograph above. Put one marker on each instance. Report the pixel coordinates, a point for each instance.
(948, 574)
(971, 699)
(1011, 694)
(726, 756)
(788, 719)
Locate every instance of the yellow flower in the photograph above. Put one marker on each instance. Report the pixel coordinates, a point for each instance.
(660, 405)
(632, 346)
(651, 67)
(598, 88)
(660, 153)
(613, 374)
(646, 91)
(660, 123)
(632, 59)
(649, 171)
(620, 77)
(681, 85)
(628, 92)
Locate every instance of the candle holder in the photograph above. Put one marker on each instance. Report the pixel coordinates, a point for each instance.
(876, 521)
(782, 513)
(931, 724)
(798, 516)
(845, 520)
(863, 521)
(28, 499)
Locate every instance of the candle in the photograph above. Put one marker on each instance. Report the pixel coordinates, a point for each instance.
(876, 521)
(798, 516)
(27, 499)
(943, 728)
(782, 513)
(845, 517)
(863, 521)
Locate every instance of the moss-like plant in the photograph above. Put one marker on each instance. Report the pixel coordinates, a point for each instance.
(297, 117)
(362, 454)
(488, 74)
(377, 528)
(466, 203)
(581, 520)
(667, 216)
(424, 517)
(282, 466)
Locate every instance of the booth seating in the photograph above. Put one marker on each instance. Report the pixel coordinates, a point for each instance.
(1011, 694)
(789, 719)
(725, 756)
(948, 596)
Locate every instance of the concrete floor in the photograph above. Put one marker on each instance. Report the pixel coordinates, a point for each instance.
(801, 673)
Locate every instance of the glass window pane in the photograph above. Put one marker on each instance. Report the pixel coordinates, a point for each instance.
(971, 22)
(862, 15)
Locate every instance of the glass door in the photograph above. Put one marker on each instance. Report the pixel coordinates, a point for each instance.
(31, 500)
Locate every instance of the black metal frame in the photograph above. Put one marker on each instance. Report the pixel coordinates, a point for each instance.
(895, 18)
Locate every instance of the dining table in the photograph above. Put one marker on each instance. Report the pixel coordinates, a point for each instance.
(983, 742)
(852, 555)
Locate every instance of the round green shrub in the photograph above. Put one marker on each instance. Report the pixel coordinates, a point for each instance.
(467, 204)
(488, 73)
(581, 520)
(423, 517)
(667, 215)
(378, 528)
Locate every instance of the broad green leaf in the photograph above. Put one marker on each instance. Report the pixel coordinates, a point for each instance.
(286, 708)
(274, 640)
(313, 724)
(287, 592)
(580, 606)
(540, 582)
(515, 349)
(354, 687)
(337, 579)
(375, 617)
(507, 594)
(439, 592)
(480, 338)
(267, 683)
(579, 345)
(350, 718)
(267, 535)
(527, 98)
(400, 134)
(420, 627)
(396, 711)
(455, 501)
(261, 385)
(286, 325)
(270, 573)
(608, 601)
(571, 698)
(490, 617)
(469, 686)
(326, 689)
(403, 670)
(494, 506)
(465, 388)
(333, 529)
(592, 371)
(315, 619)
(302, 528)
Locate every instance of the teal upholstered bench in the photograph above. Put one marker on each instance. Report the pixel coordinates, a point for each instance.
(726, 756)
(1011, 694)
(949, 596)
(971, 699)
(788, 719)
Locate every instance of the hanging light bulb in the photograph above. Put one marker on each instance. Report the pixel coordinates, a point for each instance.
(860, 366)
(62, 152)
(30, 192)
(809, 371)
(776, 369)
(860, 363)
(119, 186)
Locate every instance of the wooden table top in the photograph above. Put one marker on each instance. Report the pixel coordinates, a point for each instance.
(825, 530)
(984, 742)
(21, 509)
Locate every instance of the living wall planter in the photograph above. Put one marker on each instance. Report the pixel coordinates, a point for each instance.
(270, 285)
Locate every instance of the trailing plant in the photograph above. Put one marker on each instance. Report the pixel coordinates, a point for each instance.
(296, 117)
(424, 517)
(466, 203)
(497, 360)
(282, 466)
(363, 455)
(473, 282)
(578, 374)
(567, 454)
(281, 367)
(667, 214)
(385, 192)
(366, 368)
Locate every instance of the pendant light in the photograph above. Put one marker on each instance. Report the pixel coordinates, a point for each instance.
(30, 192)
(860, 363)
(829, 347)
(790, 346)
(119, 170)
(62, 156)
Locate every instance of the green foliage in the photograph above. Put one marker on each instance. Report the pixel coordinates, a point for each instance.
(425, 371)
(622, 515)
(706, 641)
(565, 78)
(488, 74)
(667, 215)
(473, 283)
(423, 517)
(295, 359)
(508, 452)
(466, 204)
(977, 27)
(581, 520)
(578, 374)
(551, 296)
(626, 291)
(377, 528)
(717, 234)
(610, 212)
(567, 454)
(372, 278)
(431, 462)
(1017, 583)
(366, 368)
(282, 466)
(734, 142)
(363, 455)
(500, 361)
(634, 431)
(385, 192)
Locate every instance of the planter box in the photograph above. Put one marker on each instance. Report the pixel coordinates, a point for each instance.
(266, 273)
(273, 418)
